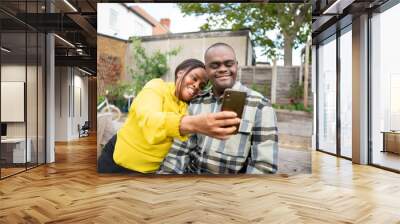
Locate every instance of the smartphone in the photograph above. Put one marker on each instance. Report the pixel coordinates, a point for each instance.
(234, 101)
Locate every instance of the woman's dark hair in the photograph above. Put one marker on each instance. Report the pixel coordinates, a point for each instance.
(187, 66)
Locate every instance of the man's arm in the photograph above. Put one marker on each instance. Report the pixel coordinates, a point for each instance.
(264, 150)
(177, 158)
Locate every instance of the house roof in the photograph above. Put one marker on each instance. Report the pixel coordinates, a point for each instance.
(146, 16)
(147, 19)
(213, 33)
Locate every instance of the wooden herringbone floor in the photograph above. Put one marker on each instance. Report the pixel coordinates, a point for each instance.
(70, 191)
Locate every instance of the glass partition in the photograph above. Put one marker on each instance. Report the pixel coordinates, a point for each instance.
(22, 89)
(41, 96)
(31, 98)
(13, 88)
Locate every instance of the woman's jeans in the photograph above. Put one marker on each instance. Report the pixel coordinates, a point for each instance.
(106, 163)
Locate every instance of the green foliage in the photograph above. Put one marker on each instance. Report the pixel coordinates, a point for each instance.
(293, 106)
(263, 89)
(208, 86)
(292, 20)
(100, 99)
(147, 67)
(117, 92)
(296, 92)
(296, 96)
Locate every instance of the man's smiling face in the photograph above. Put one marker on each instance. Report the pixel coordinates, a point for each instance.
(221, 68)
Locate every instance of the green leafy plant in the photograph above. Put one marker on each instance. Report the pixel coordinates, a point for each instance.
(117, 92)
(263, 89)
(296, 92)
(100, 99)
(292, 107)
(148, 67)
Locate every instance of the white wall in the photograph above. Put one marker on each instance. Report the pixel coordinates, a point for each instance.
(80, 109)
(125, 24)
(61, 103)
(71, 93)
(14, 73)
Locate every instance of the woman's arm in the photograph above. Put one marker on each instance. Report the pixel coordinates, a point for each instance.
(218, 125)
(156, 124)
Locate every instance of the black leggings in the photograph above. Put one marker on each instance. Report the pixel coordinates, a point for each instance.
(106, 163)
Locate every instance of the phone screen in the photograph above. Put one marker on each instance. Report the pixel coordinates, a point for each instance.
(234, 101)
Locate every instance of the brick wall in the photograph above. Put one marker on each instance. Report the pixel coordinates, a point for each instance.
(111, 60)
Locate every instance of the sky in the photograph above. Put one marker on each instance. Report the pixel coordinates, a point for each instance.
(181, 24)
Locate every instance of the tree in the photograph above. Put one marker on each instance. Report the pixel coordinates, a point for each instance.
(148, 67)
(292, 20)
(306, 71)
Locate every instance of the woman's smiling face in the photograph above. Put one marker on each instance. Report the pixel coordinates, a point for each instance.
(190, 84)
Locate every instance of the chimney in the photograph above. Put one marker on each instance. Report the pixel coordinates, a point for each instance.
(165, 22)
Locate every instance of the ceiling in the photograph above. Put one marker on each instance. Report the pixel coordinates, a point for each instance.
(74, 22)
(329, 15)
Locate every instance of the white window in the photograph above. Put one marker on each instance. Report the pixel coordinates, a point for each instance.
(113, 19)
(327, 95)
(139, 29)
(346, 94)
(394, 102)
(385, 84)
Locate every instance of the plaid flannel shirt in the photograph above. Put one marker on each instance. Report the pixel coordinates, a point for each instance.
(253, 150)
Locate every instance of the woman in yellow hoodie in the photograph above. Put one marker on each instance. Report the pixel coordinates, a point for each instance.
(157, 115)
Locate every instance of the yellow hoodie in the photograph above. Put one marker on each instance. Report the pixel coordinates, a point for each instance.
(153, 121)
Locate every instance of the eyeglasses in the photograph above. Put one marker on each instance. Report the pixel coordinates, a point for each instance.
(217, 64)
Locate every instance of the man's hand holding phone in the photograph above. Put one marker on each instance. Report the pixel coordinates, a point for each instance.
(234, 101)
(218, 125)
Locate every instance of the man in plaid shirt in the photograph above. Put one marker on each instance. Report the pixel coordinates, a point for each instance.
(253, 150)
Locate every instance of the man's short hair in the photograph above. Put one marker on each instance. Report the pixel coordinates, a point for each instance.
(219, 44)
